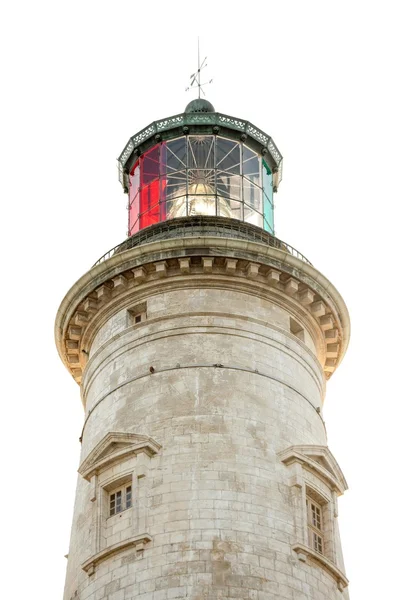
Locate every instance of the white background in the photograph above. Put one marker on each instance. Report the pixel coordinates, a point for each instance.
(79, 78)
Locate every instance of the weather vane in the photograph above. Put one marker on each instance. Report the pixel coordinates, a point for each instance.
(195, 78)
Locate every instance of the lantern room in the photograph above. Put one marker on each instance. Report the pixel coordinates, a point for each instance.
(200, 163)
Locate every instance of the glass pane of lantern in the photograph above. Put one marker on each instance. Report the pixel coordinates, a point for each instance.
(201, 181)
(267, 181)
(229, 185)
(251, 165)
(268, 215)
(252, 216)
(173, 155)
(252, 195)
(175, 184)
(201, 205)
(150, 165)
(133, 216)
(150, 204)
(201, 152)
(228, 156)
(231, 209)
(134, 181)
(176, 208)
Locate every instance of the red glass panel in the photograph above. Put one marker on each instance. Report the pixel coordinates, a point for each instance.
(150, 164)
(134, 181)
(163, 197)
(133, 216)
(150, 204)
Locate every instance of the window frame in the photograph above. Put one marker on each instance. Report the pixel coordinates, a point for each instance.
(315, 530)
(137, 314)
(125, 496)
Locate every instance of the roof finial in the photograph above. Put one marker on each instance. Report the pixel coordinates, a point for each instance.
(195, 78)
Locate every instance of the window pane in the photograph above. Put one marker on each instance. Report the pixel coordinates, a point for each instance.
(267, 181)
(229, 208)
(150, 204)
(177, 207)
(128, 497)
(253, 217)
(228, 156)
(229, 185)
(201, 181)
(112, 504)
(252, 195)
(134, 180)
(268, 215)
(201, 205)
(175, 185)
(150, 165)
(317, 543)
(119, 502)
(251, 165)
(173, 156)
(201, 152)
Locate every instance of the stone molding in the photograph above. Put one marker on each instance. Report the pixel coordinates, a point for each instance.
(138, 542)
(142, 335)
(104, 454)
(287, 278)
(307, 456)
(304, 552)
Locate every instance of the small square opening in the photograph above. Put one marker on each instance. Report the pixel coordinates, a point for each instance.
(137, 314)
(296, 329)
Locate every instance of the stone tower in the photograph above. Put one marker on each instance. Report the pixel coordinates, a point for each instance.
(202, 345)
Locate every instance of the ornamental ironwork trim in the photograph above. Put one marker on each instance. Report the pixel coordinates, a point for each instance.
(187, 119)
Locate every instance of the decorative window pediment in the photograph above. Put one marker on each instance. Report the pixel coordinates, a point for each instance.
(315, 480)
(114, 447)
(320, 460)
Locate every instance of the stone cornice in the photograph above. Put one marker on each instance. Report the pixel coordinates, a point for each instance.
(304, 553)
(246, 263)
(137, 542)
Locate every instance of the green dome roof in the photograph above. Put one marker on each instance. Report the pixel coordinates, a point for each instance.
(199, 105)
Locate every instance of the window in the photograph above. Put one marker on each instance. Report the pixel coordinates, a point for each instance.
(315, 481)
(296, 329)
(120, 500)
(315, 525)
(116, 470)
(137, 314)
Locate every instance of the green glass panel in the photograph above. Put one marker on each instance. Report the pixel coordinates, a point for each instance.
(268, 198)
(267, 181)
(268, 215)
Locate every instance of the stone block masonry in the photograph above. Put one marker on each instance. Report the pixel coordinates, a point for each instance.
(204, 420)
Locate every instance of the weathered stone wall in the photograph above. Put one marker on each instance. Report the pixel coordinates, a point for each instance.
(219, 380)
(218, 503)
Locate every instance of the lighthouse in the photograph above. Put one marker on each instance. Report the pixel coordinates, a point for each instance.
(202, 345)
